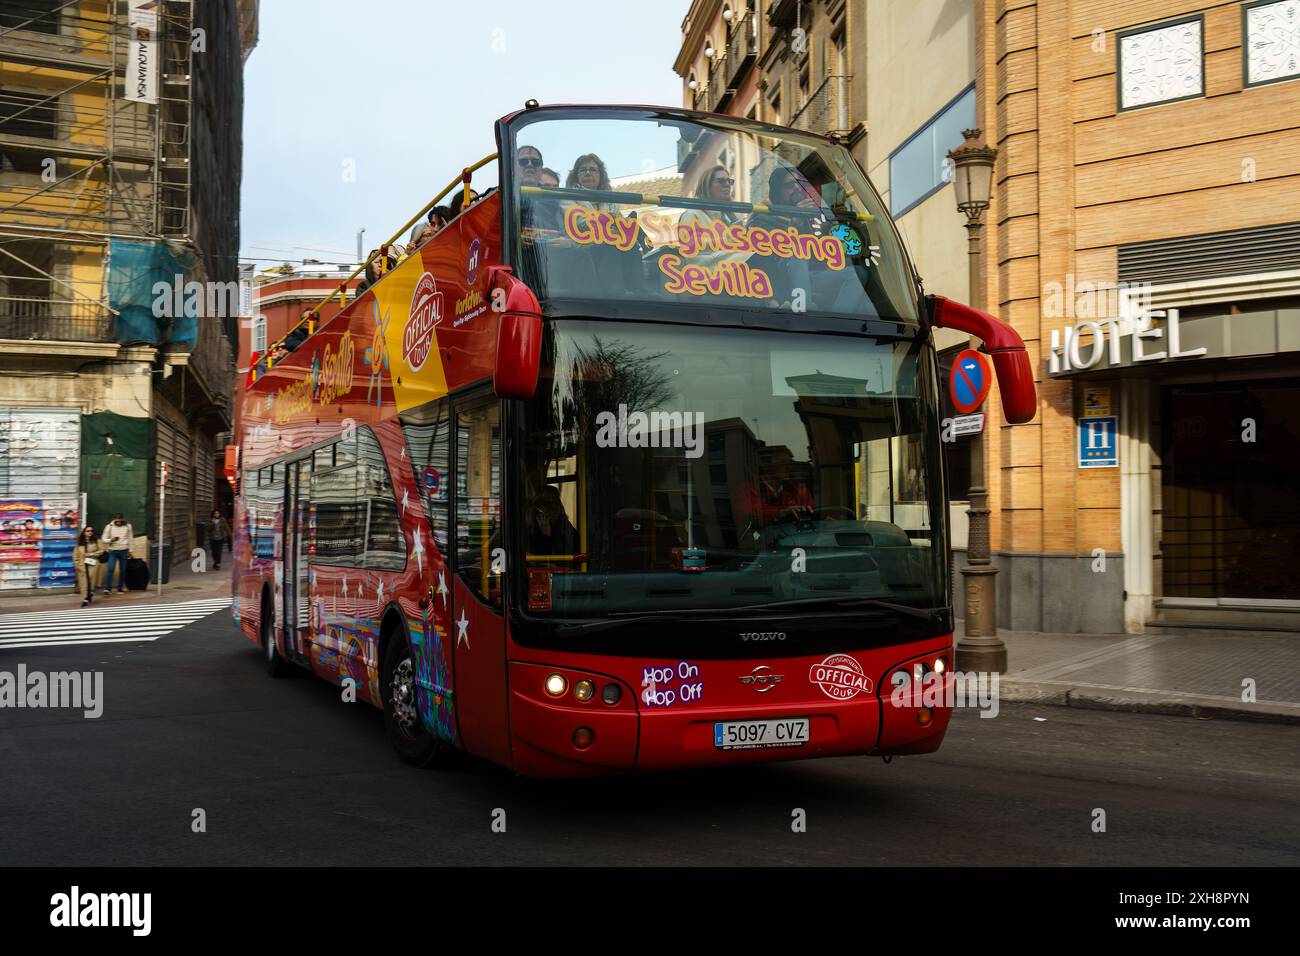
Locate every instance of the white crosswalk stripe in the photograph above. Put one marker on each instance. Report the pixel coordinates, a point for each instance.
(103, 625)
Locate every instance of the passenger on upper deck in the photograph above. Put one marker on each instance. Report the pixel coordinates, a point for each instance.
(439, 216)
(588, 172)
(804, 211)
(548, 177)
(458, 201)
(376, 269)
(716, 183)
(534, 216)
(421, 234)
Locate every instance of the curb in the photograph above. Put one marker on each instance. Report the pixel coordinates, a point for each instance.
(65, 601)
(1168, 703)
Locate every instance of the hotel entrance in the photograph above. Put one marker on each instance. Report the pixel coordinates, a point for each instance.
(1230, 528)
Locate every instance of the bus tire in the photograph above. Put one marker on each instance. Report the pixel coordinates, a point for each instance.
(409, 737)
(276, 665)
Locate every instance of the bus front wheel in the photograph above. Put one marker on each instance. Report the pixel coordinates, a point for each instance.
(412, 741)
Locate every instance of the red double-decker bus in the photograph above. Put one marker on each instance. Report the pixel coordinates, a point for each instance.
(636, 471)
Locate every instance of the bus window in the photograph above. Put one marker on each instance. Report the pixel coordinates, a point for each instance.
(478, 498)
(702, 212)
(339, 516)
(345, 449)
(428, 440)
(385, 545)
(263, 499)
(773, 466)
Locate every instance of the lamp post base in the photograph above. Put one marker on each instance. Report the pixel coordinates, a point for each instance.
(980, 648)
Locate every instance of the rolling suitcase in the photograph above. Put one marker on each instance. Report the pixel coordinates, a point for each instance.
(137, 574)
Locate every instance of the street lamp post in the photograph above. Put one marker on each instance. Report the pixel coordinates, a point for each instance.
(980, 648)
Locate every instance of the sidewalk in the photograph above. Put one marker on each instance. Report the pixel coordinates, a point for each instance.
(184, 585)
(1185, 672)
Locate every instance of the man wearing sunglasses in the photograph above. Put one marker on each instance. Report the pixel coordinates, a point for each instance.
(539, 218)
(800, 206)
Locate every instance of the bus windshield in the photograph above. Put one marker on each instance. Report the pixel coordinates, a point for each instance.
(728, 468)
(715, 212)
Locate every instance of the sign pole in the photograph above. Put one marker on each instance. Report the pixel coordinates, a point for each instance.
(980, 648)
(162, 513)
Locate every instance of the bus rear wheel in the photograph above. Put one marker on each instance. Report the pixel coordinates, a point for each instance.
(276, 665)
(410, 738)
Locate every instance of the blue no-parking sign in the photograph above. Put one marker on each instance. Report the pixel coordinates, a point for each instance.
(1099, 442)
(969, 381)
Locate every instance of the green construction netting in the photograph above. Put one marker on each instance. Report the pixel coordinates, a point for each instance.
(146, 312)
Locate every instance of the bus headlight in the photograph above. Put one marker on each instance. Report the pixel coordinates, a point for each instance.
(584, 690)
(939, 665)
(556, 685)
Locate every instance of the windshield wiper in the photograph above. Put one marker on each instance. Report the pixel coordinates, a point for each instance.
(924, 613)
(680, 614)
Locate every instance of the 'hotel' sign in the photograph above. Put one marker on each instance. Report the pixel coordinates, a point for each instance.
(1117, 343)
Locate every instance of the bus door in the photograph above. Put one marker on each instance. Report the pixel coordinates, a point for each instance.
(297, 489)
(478, 629)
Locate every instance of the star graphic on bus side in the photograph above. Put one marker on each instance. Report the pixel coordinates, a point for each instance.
(462, 629)
(417, 550)
(405, 497)
(442, 588)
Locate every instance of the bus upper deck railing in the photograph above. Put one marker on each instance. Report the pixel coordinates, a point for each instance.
(270, 358)
(676, 202)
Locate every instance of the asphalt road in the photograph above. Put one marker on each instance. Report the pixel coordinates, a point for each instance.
(287, 773)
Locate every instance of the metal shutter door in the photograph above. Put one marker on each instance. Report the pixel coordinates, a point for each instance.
(42, 447)
(175, 449)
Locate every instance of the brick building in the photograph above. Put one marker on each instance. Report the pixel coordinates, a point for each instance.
(1144, 239)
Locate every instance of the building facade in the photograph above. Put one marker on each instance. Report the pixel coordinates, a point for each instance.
(1143, 237)
(119, 204)
(280, 296)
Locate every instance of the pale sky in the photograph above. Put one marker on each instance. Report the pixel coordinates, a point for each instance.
(405, 92)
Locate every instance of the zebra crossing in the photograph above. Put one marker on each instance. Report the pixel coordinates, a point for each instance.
(103, 625)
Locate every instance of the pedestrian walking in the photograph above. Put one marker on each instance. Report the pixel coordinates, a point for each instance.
(218, 535)
(88, 561)
(117, 539)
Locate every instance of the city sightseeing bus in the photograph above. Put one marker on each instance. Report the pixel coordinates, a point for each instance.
(637, 471)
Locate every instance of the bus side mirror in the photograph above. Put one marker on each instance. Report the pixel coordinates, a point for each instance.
(1003, 344)
(519, 334)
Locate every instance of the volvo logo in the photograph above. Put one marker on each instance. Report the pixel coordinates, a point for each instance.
(762, 635)
(761, 679)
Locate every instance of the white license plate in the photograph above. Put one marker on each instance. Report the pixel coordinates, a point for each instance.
(750, 734)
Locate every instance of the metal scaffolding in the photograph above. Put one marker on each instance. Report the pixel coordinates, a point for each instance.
(80, 163)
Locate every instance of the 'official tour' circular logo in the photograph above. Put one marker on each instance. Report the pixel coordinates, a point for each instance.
(840, 677)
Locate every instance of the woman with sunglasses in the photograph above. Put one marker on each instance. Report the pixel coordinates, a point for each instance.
(715, 184)
(588, 172)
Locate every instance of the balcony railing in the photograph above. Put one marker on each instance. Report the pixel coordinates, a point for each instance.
(717, 85)
(54, 320)
(741, 51)
(827, 109)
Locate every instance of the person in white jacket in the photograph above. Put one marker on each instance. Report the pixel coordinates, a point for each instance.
(117, 539)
